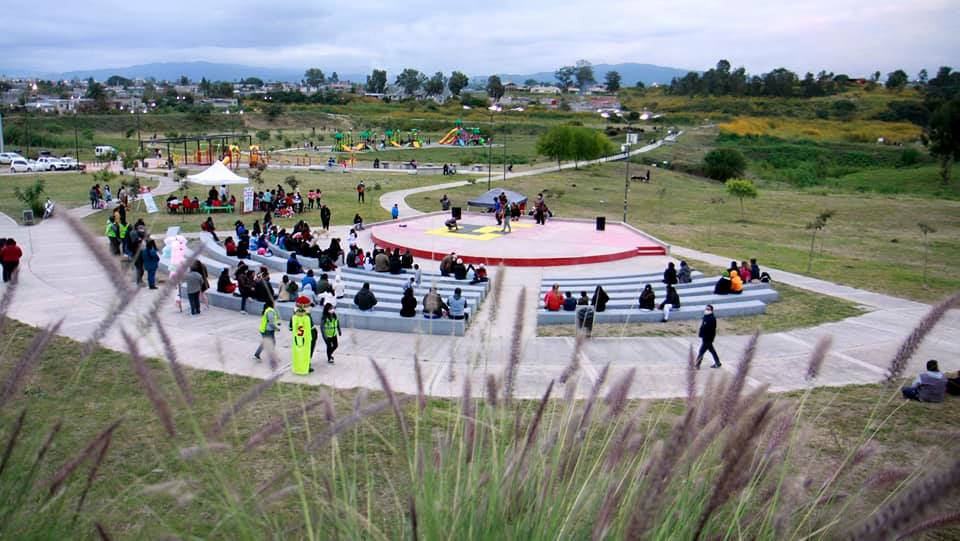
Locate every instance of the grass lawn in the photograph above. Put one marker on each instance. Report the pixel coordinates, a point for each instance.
(339, 193)
(68, 190)
(146, 489)
(795, 309)
(871, 242)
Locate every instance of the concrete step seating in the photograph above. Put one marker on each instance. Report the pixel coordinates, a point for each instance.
(696, 288)
(643, 278)
(635, 288)
(765, 295)
(685, 312)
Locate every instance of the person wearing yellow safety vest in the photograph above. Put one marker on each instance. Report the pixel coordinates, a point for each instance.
(269, 325)
(113, 235)
(330, 325)
(304, 337)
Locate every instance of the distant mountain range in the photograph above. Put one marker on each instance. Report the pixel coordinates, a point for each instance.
(630, 73)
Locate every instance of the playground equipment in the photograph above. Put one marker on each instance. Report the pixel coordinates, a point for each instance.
(460, 136)
(232, 157)
(256, 156)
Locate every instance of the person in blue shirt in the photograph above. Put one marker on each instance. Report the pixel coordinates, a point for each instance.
(457, 305)
(309, 279)
(293, 265)
(569, 303)
(395, 211)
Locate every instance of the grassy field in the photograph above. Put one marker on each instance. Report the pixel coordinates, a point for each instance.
(152, 485)
(795, 309)
(339, 193)
(872, 241)
(68, 190)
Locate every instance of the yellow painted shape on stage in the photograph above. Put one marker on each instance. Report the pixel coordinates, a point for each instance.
(487, 232)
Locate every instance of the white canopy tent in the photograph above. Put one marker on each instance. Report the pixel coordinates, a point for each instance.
(217, 174)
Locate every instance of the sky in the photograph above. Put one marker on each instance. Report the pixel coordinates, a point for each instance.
(856, 37)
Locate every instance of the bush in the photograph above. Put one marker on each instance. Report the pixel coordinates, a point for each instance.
(32, 197)
(377, 187)
(741, 189)
(724, 163)
(908, 157)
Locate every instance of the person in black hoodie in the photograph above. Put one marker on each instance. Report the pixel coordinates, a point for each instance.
(708, 332)
(365, 299)
(396, 266)
(408, 304)
(600, 299)
(325, 217)
(670, 275)
(671, 302)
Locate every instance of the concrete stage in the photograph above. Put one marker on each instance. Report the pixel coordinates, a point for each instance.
(479, 240)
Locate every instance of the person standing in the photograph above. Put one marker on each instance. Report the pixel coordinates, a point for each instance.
(303, 338)
(361, 188)
(395, 211)
(10, 255)
(151, 260)
(325, 216)
(708, 332)
(331, 330)
(194, 284)
(113, 235)
(539, 210)
(269, 324)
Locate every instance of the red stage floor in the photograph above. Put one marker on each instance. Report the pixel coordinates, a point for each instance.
(559, 242)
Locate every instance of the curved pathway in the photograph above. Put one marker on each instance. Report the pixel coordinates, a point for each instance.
(60, 278)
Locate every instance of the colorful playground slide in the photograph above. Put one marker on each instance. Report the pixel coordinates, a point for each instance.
(416, 144)
(359, 146)
(396, 144)
(449, 137)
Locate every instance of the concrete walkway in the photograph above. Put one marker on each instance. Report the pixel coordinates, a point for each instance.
(60, 278)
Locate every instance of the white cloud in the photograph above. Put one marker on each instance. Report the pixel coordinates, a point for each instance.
(853, 36)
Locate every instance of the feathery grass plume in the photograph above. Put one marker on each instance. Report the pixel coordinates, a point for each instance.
(531, 431)
(101, 532)
(104, 447)
(394, 403)
(887, 477)
(12, 440)
(616, 399)
(242, 402)
(69, 466)
(149, 383)
(817, 356)
(277, 423)
(729, 408)
(279, 494)
(691, 377)
(909, 346)
(413, 518)
(470, 422)
(619, 444)
(931, 524)
(47, 444)
(894, 518)
(496, 292)
(492, 390)
(417, 372)
(516, 348)
(360, 398)
(9, 292)
(174, 360)
(574, 365)
(592, 400)
(349, 421)
(17, 375)
(734, 466)
(194, 451)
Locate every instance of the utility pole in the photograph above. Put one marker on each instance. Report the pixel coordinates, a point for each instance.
(504, 155)
(76, 139)
(490, 150)
(626, 180)
(1, 132)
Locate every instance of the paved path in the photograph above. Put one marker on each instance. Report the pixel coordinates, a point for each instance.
(60, 278)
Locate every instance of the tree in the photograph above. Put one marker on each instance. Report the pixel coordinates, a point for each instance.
(410, 80)
(252, 81)
(292, 181)
(741, 188)
(377, 81)
(98, 94)
(943, 136)
(584, 74)
(184, 80)
(556, 143)
(925, 229)
(458, 81)
(896, 80)
(32, 196)
(334, 78)
(495, 87)
(875, 77)
(314, 77)
(530, 82)
(922, 77)
(724, 163)
(640, 85)
(577, 143)
(564, 76)
(589, 144)
(117, 80)
(435, 85)
(263, 136)
(818, 224)
(612, 80)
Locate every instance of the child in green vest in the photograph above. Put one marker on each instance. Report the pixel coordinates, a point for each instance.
(331, 330)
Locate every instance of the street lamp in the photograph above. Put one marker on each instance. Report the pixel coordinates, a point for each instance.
(626, 178)
(493, 108)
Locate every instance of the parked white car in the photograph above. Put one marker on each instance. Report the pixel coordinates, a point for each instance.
(49, 163)
(22, 165)
(69, 163)
(7, 157)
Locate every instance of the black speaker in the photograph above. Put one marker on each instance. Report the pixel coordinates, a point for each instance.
(601, 223)
(457, 213)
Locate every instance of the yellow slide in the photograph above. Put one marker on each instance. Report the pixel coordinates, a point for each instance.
(359, 146)
(396, 144)
(449, 137)
(416, 144)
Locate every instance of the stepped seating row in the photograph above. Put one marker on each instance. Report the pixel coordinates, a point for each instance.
(685, 312)
(634, 288)
(642, 278)
(765, 295)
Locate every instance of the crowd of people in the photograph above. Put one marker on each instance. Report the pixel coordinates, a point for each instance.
(101, 195)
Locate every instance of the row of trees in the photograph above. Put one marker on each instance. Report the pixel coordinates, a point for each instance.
(582, 75)
(412, 81)
(577, 143)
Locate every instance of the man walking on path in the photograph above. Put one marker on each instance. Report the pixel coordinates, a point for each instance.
(708, 332)
(361, 188)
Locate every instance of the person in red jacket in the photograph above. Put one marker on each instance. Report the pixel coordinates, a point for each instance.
(10, 256)
(553, 300)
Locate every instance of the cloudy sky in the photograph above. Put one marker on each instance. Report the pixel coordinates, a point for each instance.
(850, 36)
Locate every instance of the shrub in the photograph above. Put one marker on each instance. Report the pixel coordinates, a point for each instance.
(32, 197)
(908, 157)
(377, 187)
(724, 163)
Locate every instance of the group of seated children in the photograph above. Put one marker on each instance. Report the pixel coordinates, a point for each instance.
(732, 280)
(451, 265)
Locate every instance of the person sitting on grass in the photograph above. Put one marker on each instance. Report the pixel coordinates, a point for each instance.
(293, 265)
(930, 386)
(553, 300)
(648, 299)
(457, 305)
(684, 274)
(671, 302)
(224, 284)
(365, 299)
(569, 303)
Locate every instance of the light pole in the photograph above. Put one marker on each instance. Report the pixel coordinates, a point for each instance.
(490, 147)
(1, 132)
(626, 179)
(76, 138)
